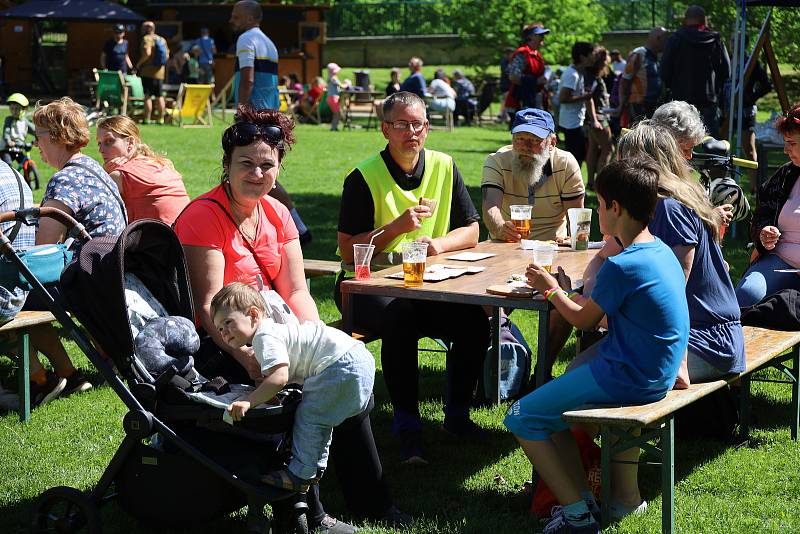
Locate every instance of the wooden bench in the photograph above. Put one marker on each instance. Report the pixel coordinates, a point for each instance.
(763, 348)
(20, 325)
(316, 268)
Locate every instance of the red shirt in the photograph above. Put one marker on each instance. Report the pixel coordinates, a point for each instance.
(151, 190)
(203, 224)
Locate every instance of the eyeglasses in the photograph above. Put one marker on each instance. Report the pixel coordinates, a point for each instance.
(416, 126)
(794, 117)
(245, 133)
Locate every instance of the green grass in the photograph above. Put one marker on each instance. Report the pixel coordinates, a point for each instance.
(70, 441)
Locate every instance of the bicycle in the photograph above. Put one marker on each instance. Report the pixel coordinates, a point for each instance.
(25, 164)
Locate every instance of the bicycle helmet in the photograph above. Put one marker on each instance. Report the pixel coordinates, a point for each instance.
(18, 98)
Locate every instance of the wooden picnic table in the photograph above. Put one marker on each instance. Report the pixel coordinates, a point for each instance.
(471, 289)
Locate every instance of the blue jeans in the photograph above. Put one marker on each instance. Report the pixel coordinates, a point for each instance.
(538, 415)
(339, 392)
(761, 280)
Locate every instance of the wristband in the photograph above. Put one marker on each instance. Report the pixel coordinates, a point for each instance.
(548, 294)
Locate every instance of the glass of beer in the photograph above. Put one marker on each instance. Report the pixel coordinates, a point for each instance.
(543, 254)
(414, 255)
(521, 217)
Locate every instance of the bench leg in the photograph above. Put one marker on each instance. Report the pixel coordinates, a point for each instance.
(23, 373)
(668, 476)
(744, 408)
(606, 438)
(795, 391)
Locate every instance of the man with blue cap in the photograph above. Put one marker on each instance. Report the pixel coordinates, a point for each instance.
(531, 171)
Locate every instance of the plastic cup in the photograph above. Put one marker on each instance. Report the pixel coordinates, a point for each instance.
(521, 217)
(362, 256)
(414, 255)
(580, 225)
(543, 254)
(722, 229)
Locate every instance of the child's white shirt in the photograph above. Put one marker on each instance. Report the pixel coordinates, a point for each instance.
(308, 348)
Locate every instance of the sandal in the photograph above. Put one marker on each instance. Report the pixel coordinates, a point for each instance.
(285, 479)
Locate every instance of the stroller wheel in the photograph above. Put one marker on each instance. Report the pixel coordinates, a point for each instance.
(65, 509)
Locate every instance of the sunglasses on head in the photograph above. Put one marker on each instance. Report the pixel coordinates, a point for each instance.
(245, 133)
(793, 116)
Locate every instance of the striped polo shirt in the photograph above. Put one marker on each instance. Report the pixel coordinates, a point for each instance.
(256, 50)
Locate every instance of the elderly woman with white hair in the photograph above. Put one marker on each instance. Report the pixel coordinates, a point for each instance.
(684, 122)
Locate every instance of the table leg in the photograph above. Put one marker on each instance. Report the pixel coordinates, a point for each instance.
(23, 373)
(541, 346)
(496, 355)
(347, 312)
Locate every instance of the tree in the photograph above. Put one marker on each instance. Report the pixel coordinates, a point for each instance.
(491, 26)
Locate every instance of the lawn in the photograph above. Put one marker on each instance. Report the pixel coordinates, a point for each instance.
(70, 441)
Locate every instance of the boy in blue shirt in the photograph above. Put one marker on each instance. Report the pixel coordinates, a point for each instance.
(642, 293)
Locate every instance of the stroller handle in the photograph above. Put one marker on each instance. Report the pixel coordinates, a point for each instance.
(29, 216)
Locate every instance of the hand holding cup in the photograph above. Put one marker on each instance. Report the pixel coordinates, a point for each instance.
(769, 237)
(539, 279)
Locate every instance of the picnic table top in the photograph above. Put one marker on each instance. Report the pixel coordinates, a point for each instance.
(508, 259)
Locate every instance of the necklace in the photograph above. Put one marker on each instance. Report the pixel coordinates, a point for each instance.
(251, 235)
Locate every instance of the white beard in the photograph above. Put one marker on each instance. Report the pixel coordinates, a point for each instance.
(529, 169)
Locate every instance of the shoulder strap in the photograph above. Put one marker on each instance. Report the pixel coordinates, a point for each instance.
(15, 229)
(244, 238)
(113, 194)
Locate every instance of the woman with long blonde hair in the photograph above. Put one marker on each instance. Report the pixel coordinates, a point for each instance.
(685, 220)
(148, 181)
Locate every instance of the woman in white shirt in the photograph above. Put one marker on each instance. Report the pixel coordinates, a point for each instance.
(444, 96)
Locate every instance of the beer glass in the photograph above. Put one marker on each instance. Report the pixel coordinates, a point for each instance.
(414, 255)
(521, 217)
(543, 254)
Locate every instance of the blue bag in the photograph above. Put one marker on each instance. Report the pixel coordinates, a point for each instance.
(515, 363)
(45, 261)
(159, 54)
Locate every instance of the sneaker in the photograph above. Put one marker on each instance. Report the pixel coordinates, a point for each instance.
(411, 450)
(53, 387)
(463, 427)
(617, 516)
(558, 510)
(396, 518)
(76, 383)
(331, 525)
(558, 524)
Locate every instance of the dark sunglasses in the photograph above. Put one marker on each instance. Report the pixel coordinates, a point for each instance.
(245, 133)
(794, 117)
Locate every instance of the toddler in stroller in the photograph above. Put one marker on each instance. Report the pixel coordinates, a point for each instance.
(179, 463)
(337, 373)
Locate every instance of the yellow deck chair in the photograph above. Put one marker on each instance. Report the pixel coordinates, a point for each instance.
(287, 106)
(193, 106)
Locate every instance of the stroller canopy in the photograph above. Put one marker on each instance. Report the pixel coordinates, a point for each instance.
(94, 285)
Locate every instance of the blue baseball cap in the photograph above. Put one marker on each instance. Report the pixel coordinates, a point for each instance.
(534, 30)
(535, 121)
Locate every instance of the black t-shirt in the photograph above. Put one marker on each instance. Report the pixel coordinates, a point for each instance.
(115, 55)
(357, 211)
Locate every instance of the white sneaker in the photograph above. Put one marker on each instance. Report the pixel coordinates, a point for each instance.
(616, 516)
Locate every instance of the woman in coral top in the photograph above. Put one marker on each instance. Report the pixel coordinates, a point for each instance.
(149, 183)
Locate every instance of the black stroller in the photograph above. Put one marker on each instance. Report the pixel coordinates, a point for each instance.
(179, 464)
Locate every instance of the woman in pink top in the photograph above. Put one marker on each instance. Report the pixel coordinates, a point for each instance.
(236, 232)
(775, 228)
(150, 185)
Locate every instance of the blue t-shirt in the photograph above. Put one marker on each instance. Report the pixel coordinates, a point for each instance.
(207, 46)
(414, 84)
(716, 333)
(115, 55)
(641, 290)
